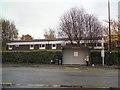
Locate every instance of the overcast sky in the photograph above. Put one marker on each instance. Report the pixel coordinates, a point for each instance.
(35, 16)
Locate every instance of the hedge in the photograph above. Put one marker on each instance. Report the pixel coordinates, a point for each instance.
(95, 57)
(44, 57)
(41, 57)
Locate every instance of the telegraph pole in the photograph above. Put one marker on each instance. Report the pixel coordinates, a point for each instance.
(110, 62)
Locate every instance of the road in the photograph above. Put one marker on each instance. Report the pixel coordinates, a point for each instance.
(38, 76)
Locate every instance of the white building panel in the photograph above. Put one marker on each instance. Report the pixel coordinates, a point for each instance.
(33, 43)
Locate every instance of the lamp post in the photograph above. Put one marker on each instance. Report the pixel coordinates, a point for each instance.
(109, 33)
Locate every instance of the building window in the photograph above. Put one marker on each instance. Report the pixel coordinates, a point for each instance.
(98, 44)
(17, 45)
(42, 46)
(10, 47)
(31, 47)
(53, 46)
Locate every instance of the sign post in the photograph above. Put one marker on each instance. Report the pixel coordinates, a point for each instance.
(103, 55)
(103, 52)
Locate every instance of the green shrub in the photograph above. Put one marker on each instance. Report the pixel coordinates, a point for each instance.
(95, 57)
(30, 56)
(45, 56)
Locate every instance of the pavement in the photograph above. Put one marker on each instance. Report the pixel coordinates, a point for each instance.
(59, 66)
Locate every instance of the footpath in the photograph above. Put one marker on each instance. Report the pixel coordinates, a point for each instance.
(61, 66)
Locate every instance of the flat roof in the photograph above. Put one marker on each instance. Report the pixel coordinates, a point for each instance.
(37, 40)
(57, 39)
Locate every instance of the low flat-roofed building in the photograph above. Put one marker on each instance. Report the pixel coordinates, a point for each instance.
(71, 53)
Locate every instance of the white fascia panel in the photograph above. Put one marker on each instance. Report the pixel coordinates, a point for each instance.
(55, 42)
(33, 43)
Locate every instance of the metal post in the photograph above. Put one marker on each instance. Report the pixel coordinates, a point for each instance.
(103, 52)
(103, 61)
(109, 33)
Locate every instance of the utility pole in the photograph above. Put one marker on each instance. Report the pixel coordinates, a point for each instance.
(110, 62)
(118, 18)
(118, 42)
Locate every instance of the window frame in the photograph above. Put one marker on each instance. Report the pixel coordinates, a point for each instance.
(10, 47)
(54, 47)
(41, 46)
(31, 46)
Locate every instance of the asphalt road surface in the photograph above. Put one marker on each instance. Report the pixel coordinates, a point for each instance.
(55, 76)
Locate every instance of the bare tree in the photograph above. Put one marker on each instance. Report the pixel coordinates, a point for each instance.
(93, 28)
(77, 25)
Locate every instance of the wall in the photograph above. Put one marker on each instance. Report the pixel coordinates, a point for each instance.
(36, 47)
(69, 58)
